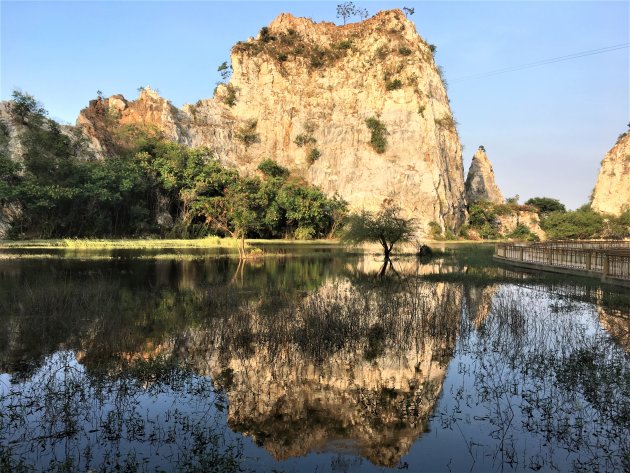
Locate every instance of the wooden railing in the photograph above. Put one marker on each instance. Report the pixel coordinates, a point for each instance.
(586, 244)
(609, 260)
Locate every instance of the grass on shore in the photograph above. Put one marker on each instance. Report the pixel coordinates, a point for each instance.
(123, 243)
(207, 242)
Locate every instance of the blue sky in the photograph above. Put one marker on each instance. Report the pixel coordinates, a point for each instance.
(545, 128)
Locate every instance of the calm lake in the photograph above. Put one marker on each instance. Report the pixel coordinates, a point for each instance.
(314, 359)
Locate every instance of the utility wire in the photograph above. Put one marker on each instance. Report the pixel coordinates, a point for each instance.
(543, 62)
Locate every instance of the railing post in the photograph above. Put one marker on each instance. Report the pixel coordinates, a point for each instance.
(605, 266)
(588, 261)
(550, 257)
(520, 256)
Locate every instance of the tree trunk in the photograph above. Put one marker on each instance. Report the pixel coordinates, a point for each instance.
(386, 249)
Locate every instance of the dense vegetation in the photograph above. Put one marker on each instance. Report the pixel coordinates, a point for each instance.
(483, 218)
(555, 220)
(584, 224)
(149, 186)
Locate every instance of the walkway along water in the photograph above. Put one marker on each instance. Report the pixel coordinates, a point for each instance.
(608, 260)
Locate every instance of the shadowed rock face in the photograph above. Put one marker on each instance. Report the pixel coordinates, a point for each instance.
(612, 190)
(480, 184)
(305, 89)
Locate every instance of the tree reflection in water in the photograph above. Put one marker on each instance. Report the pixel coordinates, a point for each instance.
(179, 365)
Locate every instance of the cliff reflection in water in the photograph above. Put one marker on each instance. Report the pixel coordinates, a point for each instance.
(358, 364)
(316, 354)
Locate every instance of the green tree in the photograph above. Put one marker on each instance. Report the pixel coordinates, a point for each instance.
(545, 205)
(580, 224)
(234, 213)
(25, 109)
(225, 71)
(349, 9)
(386, 227)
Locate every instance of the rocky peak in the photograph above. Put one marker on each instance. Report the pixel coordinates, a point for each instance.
(359, 110)
(480, 183)
(612, 190)
(147, 93)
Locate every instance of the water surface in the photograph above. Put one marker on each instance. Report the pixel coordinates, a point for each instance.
(315, 359)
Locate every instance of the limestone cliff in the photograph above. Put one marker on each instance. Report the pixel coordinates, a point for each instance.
(612, 190)
(480, 184)
(359, 110)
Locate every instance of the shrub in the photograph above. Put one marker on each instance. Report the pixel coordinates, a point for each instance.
(304, 233)
(405, 51)
(440, 70)
(247, 134)
(435, 231)
(393, 84)
(318, 58)
(304, 139)
(378, 139)
(488, 232)
(271, 168)
(433, 48)
(382, 52)
(449, 235)
(446, 123)
(421, 110)
(463, 232)
(265, 35)
(482, 216)
(617, 227)
(230, 95)
(314, 155)
(521, 232)
(345, 44)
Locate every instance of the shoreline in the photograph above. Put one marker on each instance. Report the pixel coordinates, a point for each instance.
(201, 243)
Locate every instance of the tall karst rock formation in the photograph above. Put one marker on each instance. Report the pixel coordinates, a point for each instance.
(612, 190)
(359, 110)
(480, 184)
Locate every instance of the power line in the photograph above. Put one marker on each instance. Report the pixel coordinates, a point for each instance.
(543, 62)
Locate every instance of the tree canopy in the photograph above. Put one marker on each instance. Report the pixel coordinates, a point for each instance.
(546, 205)
(386, 227)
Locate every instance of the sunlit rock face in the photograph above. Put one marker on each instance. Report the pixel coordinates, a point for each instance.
(612, 190)
(617, 323)
(301, 94)
(359, 378)
(480, 183)
(531, 220)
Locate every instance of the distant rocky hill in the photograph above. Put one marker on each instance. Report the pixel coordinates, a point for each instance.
(480, 183)
(359, 110)
(612, 190)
